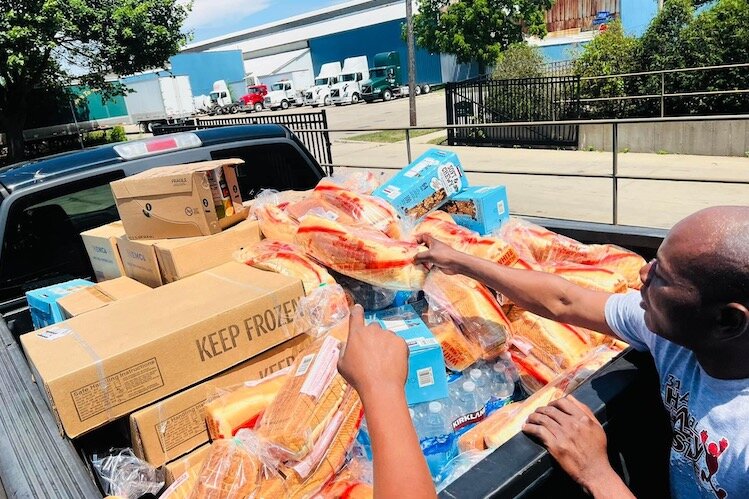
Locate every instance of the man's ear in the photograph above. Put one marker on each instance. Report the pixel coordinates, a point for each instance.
(733, 321)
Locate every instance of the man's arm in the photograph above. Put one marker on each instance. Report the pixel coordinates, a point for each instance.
(375, 363)
(543, 294)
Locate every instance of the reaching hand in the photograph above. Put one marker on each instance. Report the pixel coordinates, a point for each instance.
(574, 437)
(374, 359)
(439, 255)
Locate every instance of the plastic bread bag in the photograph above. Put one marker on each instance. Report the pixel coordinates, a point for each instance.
(473, 307)
(287, 259)
(442, 227)
(233, 408)
(275, 223)
(358, 181)
(123, 474)
(364, 254)
(306, 478)
(364, 209)
(459, 352)
(235, 469)
(368, 296)
(354, 481)
(457, 467)
(620, 261)
(503, 424)
(594, 278)
(313, 390)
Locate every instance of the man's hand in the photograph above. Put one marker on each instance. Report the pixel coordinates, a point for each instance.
(374, 359)
(439, 255)
(575, 438)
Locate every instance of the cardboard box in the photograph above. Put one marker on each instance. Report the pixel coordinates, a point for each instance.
(483, 209)
(176, 425)
(160, 261)
(182, 474)
(109, 362)
(43, 305)
(425, 184)
(178, 201)
(140, 261)
(101, 246)
(179, 258)
(427, 376)
(100, 295)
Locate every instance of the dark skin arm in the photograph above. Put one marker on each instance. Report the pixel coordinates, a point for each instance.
(543, 294)
(375, 363)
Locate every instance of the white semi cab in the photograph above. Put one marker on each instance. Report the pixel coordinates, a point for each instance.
(220, 96)
(319, 93)
(284, 94)
(348, 89)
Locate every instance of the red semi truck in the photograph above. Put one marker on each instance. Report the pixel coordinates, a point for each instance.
(253, 99)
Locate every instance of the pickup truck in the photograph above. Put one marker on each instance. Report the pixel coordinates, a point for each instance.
(46, 203)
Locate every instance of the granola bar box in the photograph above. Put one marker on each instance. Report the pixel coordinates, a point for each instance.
(479, 208)
(426, 184)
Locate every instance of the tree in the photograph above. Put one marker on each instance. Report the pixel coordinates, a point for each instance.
(48, 44)
(477, 30)
(520, 60)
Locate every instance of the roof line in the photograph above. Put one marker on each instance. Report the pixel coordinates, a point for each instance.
(289, 23)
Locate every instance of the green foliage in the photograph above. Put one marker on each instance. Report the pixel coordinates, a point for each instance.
(477, 30)
(43, 42)
(99, 137)
(117, 134)
(520, 60)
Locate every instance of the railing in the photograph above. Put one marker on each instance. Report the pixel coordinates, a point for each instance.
(614, 175)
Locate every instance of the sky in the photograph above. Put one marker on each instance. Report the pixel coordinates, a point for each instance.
(211, 18)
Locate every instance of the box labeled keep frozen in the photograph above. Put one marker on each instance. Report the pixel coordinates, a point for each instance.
(190, 200)
(427, 378)
(424, 185)
(480, 208)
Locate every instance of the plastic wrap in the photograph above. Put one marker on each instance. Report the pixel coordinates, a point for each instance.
(534, 373)
(458, 466)
(441, 226)
(473, 307)
(623, 262)
(275, 223)
(287, 259)
(364, 254)
(235, 469)
(240, 406)
(459, 352)
(361, 182)
(365, 210)
(122, 474)
(597, 279)
(508, 421)
(368, 296)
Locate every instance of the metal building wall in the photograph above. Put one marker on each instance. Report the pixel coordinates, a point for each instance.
(204, 68)
(370, 40)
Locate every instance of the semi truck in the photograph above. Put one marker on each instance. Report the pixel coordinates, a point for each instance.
(253, 99)
(159, 100)
(284, 94)
(40, 245)
(348, 89)
(386, 80)
(319, 93)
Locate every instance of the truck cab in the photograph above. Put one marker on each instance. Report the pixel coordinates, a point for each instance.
(220, 96)
(386, 80)
(319, 93)
(348, 89)
(254, 97)
(282, 95)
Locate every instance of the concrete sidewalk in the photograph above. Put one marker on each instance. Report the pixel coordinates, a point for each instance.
(645, 201)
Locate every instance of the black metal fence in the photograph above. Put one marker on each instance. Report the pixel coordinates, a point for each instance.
(311, 128)
(482, 100)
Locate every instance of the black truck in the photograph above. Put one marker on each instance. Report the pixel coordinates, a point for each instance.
(46, 203)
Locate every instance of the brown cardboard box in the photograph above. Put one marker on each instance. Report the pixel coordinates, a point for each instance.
(140, 262)
(112, 361)
(179, 258)
(182, 474)
(171, 427)
(99, 295)
(101, 246)
(178, 201)
(156, 262)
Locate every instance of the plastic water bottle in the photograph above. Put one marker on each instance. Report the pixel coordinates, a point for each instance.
(472, 409)
(483, 384)
(436, 438)
(434, 424)
(504, 385)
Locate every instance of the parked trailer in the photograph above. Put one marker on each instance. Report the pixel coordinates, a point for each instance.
(159, 100)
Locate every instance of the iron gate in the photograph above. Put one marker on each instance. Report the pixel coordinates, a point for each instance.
(482, 100)
(309, 127)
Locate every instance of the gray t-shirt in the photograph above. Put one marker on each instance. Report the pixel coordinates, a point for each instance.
(710, 417)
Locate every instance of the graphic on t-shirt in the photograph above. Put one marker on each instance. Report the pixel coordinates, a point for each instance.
(692, 444)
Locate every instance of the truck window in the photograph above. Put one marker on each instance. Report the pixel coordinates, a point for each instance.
(42, 243)
(288, 86)
(270, 166)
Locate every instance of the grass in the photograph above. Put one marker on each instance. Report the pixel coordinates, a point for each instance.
(442, 141)
(391, 135)
(662, 152)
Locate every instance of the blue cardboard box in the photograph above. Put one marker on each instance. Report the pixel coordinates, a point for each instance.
(424, 185)
(427, 377)
(43, 301)
(482, 209)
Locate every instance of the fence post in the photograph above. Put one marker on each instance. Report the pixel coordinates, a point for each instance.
(449, 112)
(328, 148)
(663, 91)
(615, 171)
(408, 144)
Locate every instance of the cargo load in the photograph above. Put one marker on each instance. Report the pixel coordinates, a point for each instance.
(101, 247)
(99, 295)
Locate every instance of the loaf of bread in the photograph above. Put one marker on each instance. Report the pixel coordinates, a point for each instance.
(230, 471)
(365, 210)
(275, 223)
(459, 352)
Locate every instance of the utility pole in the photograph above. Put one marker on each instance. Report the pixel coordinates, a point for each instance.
(411, 63)
(660, 5)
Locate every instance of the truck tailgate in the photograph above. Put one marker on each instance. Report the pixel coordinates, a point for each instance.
(36, 461)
